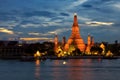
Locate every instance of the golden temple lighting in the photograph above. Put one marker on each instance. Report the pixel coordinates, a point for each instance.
(109, 54)
(103, 48)
(75, 37)
(37, 54)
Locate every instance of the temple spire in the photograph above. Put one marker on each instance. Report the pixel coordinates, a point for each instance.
(75, 22)
(75, 14)
(75, 38)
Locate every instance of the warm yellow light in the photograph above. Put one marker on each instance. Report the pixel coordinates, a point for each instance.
(37, 54)
(64, 62)
(36, 39)
(109, 54)
(37, 62)
(6, 31)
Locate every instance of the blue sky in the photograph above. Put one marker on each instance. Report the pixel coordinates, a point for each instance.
(44, 18)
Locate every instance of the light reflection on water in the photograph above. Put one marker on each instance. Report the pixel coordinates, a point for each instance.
(37, 69)
(79, 69)
(73, 69)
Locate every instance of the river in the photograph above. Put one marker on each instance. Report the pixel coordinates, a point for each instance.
(72, 69)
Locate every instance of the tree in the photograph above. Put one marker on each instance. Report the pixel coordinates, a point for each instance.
(96, 49)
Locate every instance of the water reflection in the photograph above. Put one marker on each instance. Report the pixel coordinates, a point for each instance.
(71, 70)
(37, 62)
(37, 69)
(56, 70)
(79, 69)
(74, 69)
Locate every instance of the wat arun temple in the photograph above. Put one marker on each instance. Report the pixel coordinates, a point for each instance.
(75, 40)
(75, 37)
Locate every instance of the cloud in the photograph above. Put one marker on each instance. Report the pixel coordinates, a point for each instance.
(64, 14)
(19, 32)
(34, 33)
(80, 18)
(38, 18)
(36, 39)
(4, 30)
(28, 25)
(117, 5)
(51, 24)
(40, 21)
(40, 13)
(87, 5)
(76, 3)
(96, 23)
(42, 24)
(59, 31)
(39, 34)
(10, 24)
(41, 18)
(49, 33)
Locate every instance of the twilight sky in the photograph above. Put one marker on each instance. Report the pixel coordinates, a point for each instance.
(44, 18)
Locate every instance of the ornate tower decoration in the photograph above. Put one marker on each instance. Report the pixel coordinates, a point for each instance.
(56, 43)
(63, 41)
(103, 48)
(75, 37)
(89, 44)
(92, 41)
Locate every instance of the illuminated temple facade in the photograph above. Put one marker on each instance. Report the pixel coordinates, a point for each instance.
(75, 38)
(56, 43)
(90, 43)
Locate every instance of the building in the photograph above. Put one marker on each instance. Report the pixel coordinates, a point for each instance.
(56, 43)
(10, 50)
(90, 43)
(63, 42)
(75, 38)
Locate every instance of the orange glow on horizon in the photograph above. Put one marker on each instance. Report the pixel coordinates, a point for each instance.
(36, 39)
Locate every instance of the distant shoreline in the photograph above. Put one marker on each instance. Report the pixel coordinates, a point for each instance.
(31, 58)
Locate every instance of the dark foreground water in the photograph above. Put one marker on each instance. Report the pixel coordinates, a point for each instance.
(73, 69)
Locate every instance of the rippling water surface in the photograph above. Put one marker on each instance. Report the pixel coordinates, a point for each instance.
(73, 69)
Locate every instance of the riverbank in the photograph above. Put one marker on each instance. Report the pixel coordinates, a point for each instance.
(31, 58)
(83, 57)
